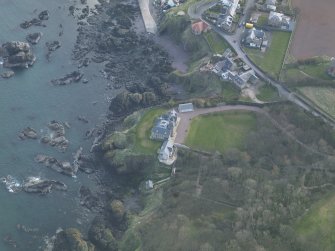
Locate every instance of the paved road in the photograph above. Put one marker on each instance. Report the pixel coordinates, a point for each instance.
(149, 22)
(234, 40)
(186, 119)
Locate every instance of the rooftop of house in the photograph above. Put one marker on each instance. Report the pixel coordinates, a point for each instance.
(224, 65)
(199, 27)
(278, 17)
(271, 2)
(255, 37)
(165, 123)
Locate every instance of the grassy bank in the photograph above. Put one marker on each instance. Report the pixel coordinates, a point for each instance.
(220, 131)
(317, 227)
(323, 97)
(267, 93)
(143, 143)
(217, 44)
(271, 61)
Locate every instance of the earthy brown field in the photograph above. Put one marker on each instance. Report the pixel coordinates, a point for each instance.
(315, 32)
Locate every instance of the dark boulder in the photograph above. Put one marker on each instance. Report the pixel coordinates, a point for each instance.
(44, 15)
(53, 45)
(34, 38)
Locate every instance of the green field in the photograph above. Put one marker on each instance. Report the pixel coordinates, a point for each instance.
(317, 227)
(262, 20)
(220, 131)
(217, 44)
(271, 61)
(318, 71)
(267, 93)
(143, 143)
(323, 97)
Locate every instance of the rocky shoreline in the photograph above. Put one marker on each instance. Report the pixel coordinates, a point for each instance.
(131, 62)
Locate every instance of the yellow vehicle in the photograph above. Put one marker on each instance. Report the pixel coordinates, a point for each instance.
(249, 25)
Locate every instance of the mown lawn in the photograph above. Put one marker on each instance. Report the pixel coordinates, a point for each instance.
(262, 20)
(271, 61)
(217, 44)
(143, 143)
(318, 225)
(220, 131)
(267, 93)
(323, 97)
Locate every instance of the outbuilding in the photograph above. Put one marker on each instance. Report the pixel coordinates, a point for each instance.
(187, 107)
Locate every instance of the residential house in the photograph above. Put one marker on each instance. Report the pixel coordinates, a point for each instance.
(249, 76)
(232, 6)
(279, 20)
(223, 66)
(167, 152)
(199, 27)
(164, 126)
(187, 107)
(270, 5)
(254, 38)
(225, 22)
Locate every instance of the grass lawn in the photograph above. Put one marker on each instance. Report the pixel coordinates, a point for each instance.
(220, 131)
(271, 61)
(217, 44)
(323, 97)
(267, 93)
(317, 71)
(229, 92)
(262, 20)
(143, 143)
(318, 225)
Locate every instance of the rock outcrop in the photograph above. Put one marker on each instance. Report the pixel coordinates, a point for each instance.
(44, 15)
(71, 240)
(38, 185)
(28, 133)
(17, 55)
(34, 38)
(68, 79)
(34, 21)
(7, 74)
(60, 167)
(57, 136)
(53, 45)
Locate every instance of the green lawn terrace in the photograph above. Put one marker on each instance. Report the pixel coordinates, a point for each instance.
(220, 131)
(317, 227)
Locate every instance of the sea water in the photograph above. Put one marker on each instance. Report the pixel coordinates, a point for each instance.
(29, 99)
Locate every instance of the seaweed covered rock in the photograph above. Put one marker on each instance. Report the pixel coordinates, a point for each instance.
(71, 240)
(102, 237)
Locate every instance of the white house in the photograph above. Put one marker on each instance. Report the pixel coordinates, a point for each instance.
(279, 20)
(167, 153)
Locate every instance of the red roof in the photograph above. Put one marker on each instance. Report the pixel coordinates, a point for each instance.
(199, 27)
